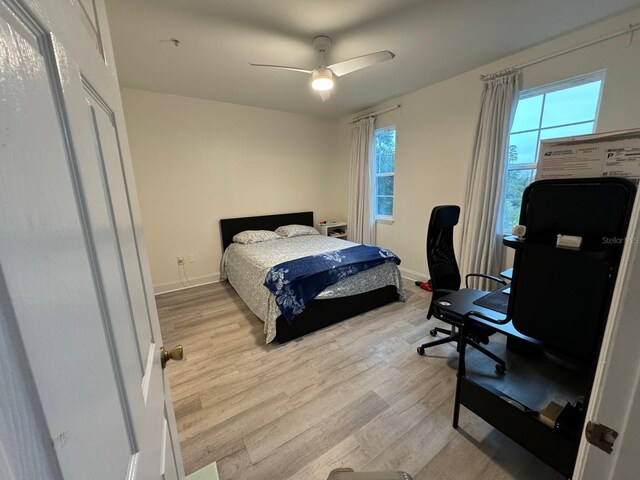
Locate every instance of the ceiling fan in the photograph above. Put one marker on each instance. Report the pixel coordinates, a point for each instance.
(322, 77)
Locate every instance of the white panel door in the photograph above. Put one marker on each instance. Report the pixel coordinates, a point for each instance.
(615, 399)
(72, 253)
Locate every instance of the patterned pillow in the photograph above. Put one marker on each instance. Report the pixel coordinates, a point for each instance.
(255, 236)
(296, 231)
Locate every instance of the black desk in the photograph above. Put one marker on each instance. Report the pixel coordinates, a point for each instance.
(555, 449)
(455, 305)
(507, 274)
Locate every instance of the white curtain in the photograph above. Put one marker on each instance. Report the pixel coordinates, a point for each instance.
(482, 217)
(361, 214)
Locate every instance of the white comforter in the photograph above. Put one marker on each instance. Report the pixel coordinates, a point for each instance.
(246, 266)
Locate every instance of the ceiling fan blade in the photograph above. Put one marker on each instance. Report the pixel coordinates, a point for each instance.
(358, 63)
(325, 95)
(281, 67)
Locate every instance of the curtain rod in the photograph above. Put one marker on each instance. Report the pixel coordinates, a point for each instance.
(375, 114)
(632, 28)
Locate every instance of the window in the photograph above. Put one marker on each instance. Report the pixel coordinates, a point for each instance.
(558, 110)
(385, 158)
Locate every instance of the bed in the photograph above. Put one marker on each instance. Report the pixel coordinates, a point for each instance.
(246, 266)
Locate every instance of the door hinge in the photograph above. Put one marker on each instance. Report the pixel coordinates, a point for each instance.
(601, 436)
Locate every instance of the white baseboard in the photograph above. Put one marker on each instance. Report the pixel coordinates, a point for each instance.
(413, 275)
(181, 285)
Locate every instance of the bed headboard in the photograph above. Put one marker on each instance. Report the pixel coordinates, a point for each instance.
(230, 226)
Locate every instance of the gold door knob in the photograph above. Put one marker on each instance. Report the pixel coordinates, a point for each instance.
(176, 353)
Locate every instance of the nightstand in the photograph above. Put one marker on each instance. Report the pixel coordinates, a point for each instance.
(333, 229)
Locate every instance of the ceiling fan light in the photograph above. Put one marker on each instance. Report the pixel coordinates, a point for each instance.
(322, 79)
(322, 84)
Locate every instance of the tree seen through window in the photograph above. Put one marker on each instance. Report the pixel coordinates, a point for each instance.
(561, 109)
(385, 159)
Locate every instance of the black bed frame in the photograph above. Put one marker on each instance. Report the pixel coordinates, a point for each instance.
(318, 313)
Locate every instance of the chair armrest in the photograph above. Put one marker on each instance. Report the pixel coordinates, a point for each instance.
(490, 277)
(469, 316)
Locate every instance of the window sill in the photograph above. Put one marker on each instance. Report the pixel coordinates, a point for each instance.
(385, 220)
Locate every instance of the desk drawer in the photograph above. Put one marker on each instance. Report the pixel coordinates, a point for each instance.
(548, 445)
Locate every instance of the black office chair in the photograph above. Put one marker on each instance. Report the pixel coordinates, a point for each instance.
(561, 296)
(445, 278)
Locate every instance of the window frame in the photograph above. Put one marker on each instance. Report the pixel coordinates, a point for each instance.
(378, 217)
(545, 90)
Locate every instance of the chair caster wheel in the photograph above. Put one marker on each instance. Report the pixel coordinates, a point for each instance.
(433, 332)
(500, 369)
(420, 351)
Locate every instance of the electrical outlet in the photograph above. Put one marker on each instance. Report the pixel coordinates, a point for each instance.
(191, 258)
(180, 260)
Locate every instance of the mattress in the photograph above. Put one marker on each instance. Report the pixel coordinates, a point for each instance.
(246, 266)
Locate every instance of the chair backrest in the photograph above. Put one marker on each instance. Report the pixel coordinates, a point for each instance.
(561, 296)
(441, 258)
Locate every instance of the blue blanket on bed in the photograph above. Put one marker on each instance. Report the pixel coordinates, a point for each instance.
(296, 282)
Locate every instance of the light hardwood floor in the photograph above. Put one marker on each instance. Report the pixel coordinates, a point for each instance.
(355, 394)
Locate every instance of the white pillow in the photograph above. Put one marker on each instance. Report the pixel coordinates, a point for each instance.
(255, 236)
(288, 231)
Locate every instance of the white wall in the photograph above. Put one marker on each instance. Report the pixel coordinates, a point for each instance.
(436, 127)
(197, 161)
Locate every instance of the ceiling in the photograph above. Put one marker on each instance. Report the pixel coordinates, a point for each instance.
(432, 39)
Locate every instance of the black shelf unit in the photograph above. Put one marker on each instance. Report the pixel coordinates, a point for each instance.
(560, 297)
(554, 447)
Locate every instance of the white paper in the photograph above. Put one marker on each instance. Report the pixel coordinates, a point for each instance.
(622, 162)
(614, 154)
(564, 161)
